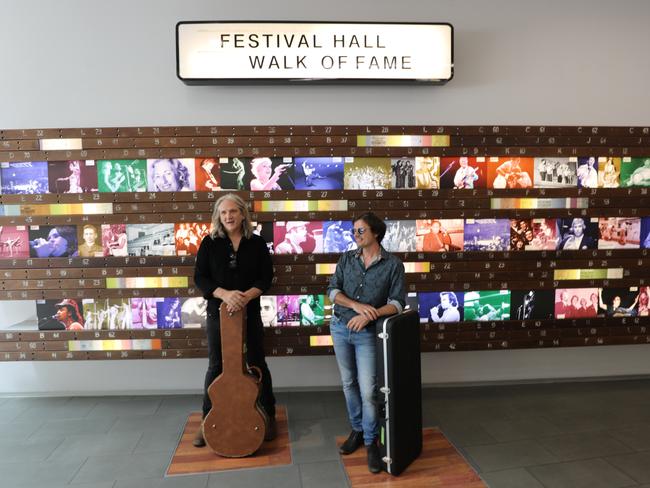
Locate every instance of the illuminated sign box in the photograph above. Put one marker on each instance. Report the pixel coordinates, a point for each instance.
(229, 52)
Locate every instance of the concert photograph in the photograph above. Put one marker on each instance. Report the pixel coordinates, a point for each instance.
(75, 176)
(24, 178)
(107, 314)
(121, 175)
(487, 235)
(53, 241)
(532, 304)
(368, 174)
(65, 314)
(510, 173)
(270, 174)
(337, 236)
(207, 174)
(235, 174)
(400, 236)
(288, 310)
(298, 237)
(444, 306)
(587, 172)
(487, 306)
(169, 313)
(319, 173)
(619, 302)
(463, 173)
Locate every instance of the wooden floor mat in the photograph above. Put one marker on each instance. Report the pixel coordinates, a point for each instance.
(188, 459)
(439, 465)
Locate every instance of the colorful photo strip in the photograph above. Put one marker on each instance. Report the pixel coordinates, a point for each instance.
(587, 172)
(444, 306)
(609, 172)
(634, 172)
(298, 237)
(270, 174)
(14, 241)
(115, 240)
(194, 312)
(121, 175)
(400, 236)
(444, 235)
(338, 237)
(619, 233)
(532, 304)
(48, 241)
(368, 174)
(170, 175)
(463, 173)
(90, 242)
(618, 302)
(403, 170)
(487, 234)
(555, 172)
(546, 235)
(319, 173)
(234, 174)
(486, 306)
(75, 176)
(576, 303)
(28, 178)
(578, 233)
(107, 313)
(288, 313)
(207, 174)
(66, 314)
(150, 239)
(144, 313)
(427, 173)
(169, 313)
(188, 237)
(510, 173)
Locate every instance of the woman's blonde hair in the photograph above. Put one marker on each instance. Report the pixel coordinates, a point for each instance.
(246, 224)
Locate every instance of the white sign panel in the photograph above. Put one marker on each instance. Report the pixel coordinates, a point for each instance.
(213, 52)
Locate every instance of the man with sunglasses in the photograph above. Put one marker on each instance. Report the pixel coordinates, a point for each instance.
(368, 283)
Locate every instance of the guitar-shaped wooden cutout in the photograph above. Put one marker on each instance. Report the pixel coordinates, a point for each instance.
(236, 424)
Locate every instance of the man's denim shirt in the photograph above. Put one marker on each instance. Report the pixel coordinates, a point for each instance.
(380, 284)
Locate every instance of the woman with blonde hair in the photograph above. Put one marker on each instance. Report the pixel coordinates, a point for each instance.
(233, 266)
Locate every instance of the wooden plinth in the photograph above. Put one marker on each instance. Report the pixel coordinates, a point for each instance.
(439, 465)
(188, 459)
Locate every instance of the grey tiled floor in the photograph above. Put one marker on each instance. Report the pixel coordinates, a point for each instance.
(573, 435)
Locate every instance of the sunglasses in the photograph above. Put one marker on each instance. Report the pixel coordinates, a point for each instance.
(360, 231)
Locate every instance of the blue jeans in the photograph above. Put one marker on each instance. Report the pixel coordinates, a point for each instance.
(356, 357)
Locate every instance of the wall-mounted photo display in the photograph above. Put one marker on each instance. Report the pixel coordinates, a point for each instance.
(645, 233)
(14, 241)
(463, 173)
(66, 314)
(576, 303)
(400, 236)
(169, 313)
(555, 172)
(337, 237)
(444, 235)
(532, 304)
(486, 306)
(609, 172)
(403, 170)
(121, 175)
(150, 239)
(144, 313)
(368, 174)
(188, 237)
(107, 314)
(288, 311)
(546, 235)
(578, 233)
(319, 173)
(269, 174)
(24, 178)
(74, 176)
(444, 306)
(170, 175)
(510, 172)
(427, 173)
(587, 172)
(312, 309)
(90, 241)
(619, 233)
(48, 241)
(207, 174)
(235, 175)
(634, 172)
(618, 302)
(298, 237)
(115, 240)
(487, 234)
(193, 312)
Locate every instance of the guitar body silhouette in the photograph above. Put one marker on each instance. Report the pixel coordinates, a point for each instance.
(236, 423)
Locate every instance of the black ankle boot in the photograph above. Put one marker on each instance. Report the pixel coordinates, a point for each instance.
(352, 443)
(374, 460)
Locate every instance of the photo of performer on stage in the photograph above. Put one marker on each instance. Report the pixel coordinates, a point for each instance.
(298, 237)
(403, 170)
(587, 172)
(338, 237)
(28, 178)
(47, 241)
(618, 302)
(207, 174)
(121, 175)
(400, 236)
(114, 240)
(555, 172)
(367, 174)
(14, 241)
(319, 173)
(194, 312)
(619, 233)
(107, 313)
(312, 309)
(487, 306)
(427, 173)
(169, 313)
(439, 235)
(634, 172)
(270, 174)
(462, 172)
(66, 314)
(75, 176)
(532, 304)
(288, 312)
(577, 234)
(170, 175)
(444, 306)
(510, 173)
(487, 235)
(234, 174)
(609, 172)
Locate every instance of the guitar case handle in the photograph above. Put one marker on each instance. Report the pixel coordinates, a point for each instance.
(255, 371)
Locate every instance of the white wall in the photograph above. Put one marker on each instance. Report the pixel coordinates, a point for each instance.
(76, 63)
